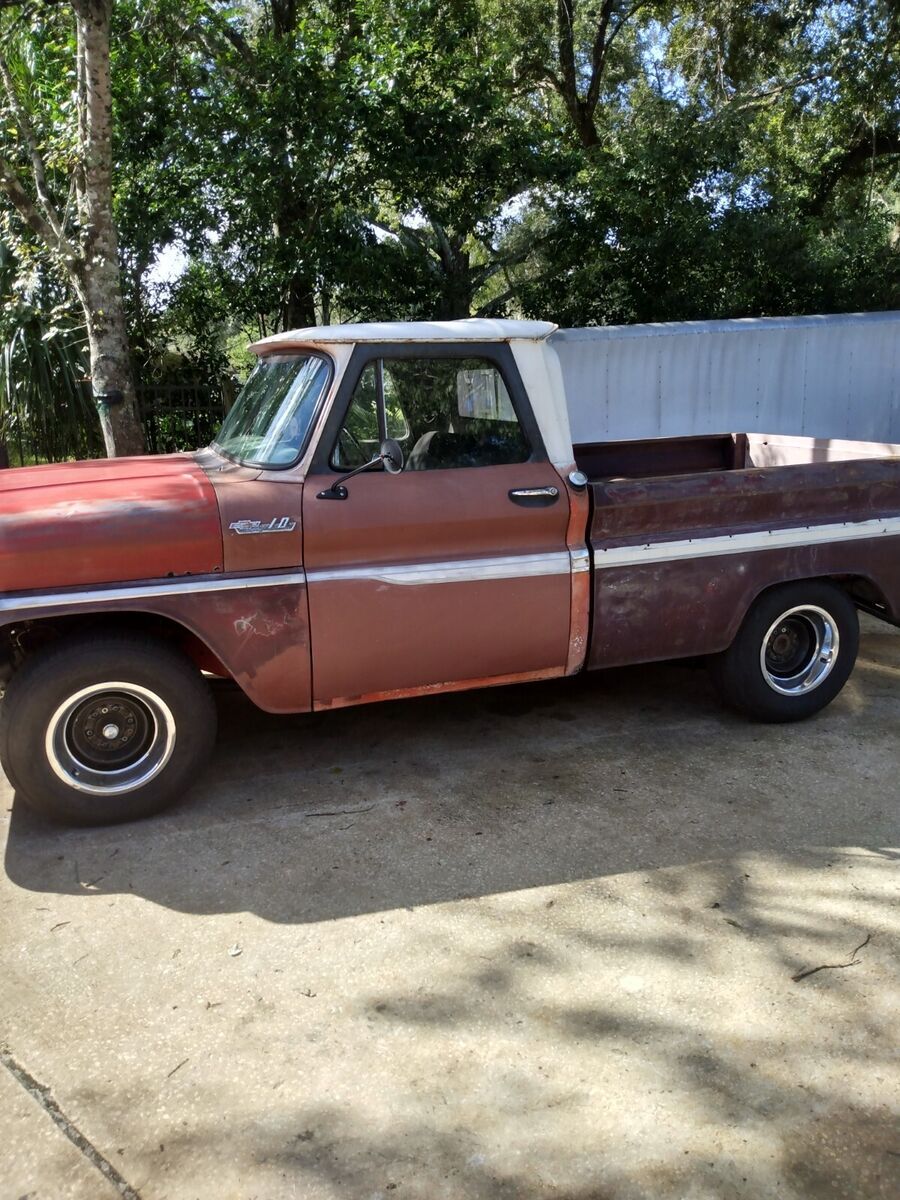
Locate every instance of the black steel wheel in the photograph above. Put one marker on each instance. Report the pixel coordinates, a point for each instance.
(100, 729)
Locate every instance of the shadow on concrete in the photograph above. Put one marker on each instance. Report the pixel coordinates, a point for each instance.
(303, 819)
(525, 1071)
(831, 1157)
(642, 1035)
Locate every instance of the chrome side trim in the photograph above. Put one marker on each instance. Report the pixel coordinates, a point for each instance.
(580, 560)
(742, 543)
(520, 566)
(466, 570)
(147, 591)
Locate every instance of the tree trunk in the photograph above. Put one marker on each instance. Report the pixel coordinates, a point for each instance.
(111, 377)
(100, 285)
(585, 127)
(456, 295)
(92, 264)
(299, 308)
(284, 17)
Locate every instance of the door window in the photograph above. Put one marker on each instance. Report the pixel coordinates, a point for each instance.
(444, 412)
(363, 431)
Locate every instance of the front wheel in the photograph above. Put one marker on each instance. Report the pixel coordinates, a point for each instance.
(95, 730)
(793, 653)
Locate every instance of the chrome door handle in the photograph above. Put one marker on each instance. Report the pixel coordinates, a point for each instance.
(534, 496)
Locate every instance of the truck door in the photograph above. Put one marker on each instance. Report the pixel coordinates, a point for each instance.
(455, 571)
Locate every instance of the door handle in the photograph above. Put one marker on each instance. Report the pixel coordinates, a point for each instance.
(534, 497)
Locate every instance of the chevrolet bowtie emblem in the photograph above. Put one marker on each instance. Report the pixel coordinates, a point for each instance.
(276, 525)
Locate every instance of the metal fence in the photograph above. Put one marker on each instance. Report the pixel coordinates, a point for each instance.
(175, 416)
(40, 434)
(179, 416)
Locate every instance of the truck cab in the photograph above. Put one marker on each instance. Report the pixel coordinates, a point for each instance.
(477, 512)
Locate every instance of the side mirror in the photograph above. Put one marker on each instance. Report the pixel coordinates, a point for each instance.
(390, 455)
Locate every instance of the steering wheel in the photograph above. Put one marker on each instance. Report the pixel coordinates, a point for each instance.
(355, 442)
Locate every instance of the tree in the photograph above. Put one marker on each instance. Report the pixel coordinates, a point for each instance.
(370, 151)
(593, 162)
(726, 159)
(56, 172)
(276, 101)
(581, 52)
(451, 140)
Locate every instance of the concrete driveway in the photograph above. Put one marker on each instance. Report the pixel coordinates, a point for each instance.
(595, 940)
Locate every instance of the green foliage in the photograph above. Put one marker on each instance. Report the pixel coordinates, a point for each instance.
(747, 163)
(45, 409)
(669, 224)
(56, 168)
(585, 162)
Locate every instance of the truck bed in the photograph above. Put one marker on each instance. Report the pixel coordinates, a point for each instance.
(679, 557)
(642, 459)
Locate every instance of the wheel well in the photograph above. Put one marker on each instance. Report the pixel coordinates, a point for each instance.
(23, 638)
(864, 592)
(867, 595)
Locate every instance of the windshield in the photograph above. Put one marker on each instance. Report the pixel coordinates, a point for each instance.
(269, 422)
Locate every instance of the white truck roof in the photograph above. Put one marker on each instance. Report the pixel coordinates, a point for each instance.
(472, 329)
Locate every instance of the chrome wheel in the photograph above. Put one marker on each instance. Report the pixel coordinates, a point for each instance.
(110, 738)
(799, 650)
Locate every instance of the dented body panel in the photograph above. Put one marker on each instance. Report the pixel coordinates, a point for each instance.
(254, 630)
(678, 561)
(70, 533)
(695, 606)
(724, 502)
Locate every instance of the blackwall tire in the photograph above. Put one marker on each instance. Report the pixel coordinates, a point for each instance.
(100, 729)
(793, 653)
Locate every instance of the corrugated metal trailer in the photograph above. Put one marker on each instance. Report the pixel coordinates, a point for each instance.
(828, 378)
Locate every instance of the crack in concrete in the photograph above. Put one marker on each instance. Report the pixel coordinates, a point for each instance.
(42, 1096)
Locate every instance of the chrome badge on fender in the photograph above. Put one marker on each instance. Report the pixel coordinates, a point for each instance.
(276, 525)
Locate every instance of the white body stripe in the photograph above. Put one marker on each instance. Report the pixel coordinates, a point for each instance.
(464, 570)
(517, 566)
(744, 543)
(147, 591)
(473, 570)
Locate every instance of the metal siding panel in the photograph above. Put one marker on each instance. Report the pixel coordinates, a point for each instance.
(835, 377)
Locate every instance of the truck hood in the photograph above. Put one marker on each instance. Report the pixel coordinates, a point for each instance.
(106, 521)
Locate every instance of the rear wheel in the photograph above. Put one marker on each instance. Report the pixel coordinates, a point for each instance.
(793, 653)
(95, 730)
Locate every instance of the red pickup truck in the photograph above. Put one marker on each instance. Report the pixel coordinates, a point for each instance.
(394, 510)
